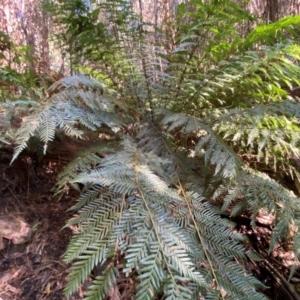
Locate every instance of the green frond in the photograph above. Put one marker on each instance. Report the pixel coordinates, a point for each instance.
(101, 285)
(267, 135)
(82, 268)
(83, 160)
(273, 32)
(151, 273)
(128, 202)
(216, 151)
(255, 192)
(76, 83)
(28, 130)
(90, 244)
(236, 286)
(77, 101)
(96, 225)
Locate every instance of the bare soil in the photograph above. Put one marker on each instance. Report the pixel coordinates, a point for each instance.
(34, 270)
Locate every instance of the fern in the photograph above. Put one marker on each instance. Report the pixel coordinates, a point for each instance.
(182, 121)
(162, 251)
(274, 32)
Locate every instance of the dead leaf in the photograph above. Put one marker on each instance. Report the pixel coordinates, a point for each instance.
(48, 289)
(9, 276)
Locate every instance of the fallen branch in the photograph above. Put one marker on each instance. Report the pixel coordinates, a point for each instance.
(288, 286)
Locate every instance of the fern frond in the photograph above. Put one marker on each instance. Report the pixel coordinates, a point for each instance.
(128, 203)
(102, 284)
(79, 101)
(271, 33)
(217, 153)
(255, 192)
(76, 83)
(90, 244)
(83, 160)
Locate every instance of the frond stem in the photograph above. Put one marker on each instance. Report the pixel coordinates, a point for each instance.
(151, 218)
(182, 190)
(191, 215)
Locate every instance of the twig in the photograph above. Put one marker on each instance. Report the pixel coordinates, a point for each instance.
(289, 287)
(13, 194)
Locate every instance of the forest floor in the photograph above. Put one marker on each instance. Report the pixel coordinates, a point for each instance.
(35, 270)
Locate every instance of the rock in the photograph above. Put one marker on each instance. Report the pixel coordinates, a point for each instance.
(14, 229)
(265, 218)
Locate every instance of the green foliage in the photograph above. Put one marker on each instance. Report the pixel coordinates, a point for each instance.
(253, 192)
(126, 198)
(279, 31)
(198, 122)
(17, 79)
(86, 107)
